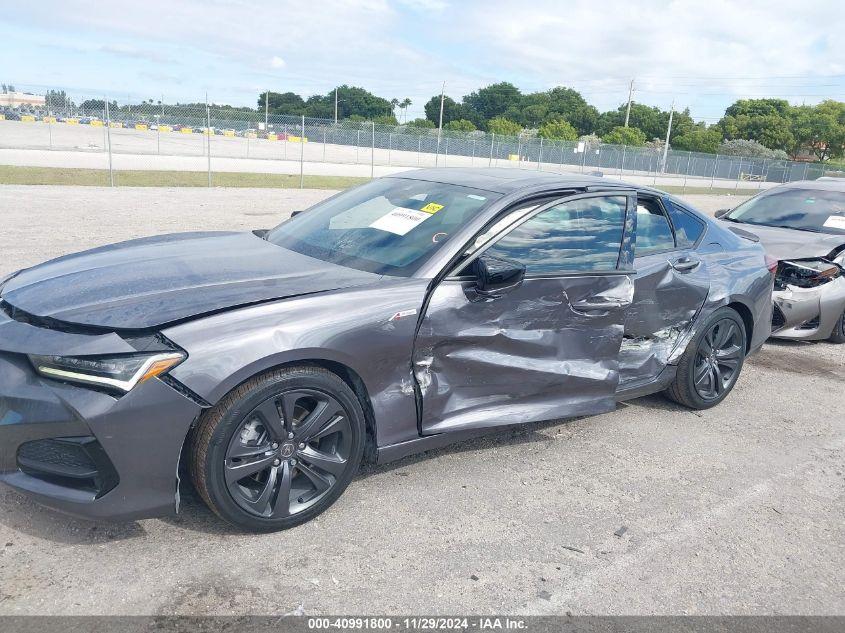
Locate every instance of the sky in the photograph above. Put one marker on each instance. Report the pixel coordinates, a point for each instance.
(701, 54)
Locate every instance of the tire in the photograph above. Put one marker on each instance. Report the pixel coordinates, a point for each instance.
(310, 451)
(697, 362)
(838, 335)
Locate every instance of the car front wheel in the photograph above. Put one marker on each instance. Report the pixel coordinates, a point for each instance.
(712, 362)
(279, 449)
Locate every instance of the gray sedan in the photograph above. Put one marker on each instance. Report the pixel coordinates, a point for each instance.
(802, 224)
(400, 316)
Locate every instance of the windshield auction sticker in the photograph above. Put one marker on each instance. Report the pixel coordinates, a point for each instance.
(400, 220)
(835, 222)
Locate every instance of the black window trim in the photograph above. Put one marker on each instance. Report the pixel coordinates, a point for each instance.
(628, 194)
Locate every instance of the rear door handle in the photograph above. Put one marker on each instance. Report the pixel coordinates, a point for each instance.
(683, 264)
(599, 304)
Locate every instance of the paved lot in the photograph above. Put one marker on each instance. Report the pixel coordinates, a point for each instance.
(738, 509)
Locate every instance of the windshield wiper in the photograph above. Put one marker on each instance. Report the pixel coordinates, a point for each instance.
(795, 228)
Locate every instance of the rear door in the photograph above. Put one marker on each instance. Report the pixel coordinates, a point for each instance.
(545, 349)
(671, 285)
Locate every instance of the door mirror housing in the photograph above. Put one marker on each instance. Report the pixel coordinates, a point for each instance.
(722, 212)
(495, 274)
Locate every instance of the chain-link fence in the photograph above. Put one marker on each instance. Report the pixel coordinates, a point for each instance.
(159, 139)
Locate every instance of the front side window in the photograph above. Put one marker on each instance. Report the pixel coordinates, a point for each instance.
(388, 226)
(583, 235)
(654, 234)
(813, 210)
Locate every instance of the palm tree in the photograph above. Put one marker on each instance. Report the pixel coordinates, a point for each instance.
(393, 104)
(404, 105)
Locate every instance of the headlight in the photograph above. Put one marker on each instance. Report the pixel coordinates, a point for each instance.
(116, 372)
(806, 273)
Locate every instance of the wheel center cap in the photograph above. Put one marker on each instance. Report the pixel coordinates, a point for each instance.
(287, 449)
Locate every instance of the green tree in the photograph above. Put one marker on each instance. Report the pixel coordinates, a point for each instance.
(386, 119)
(460, 125)
(492, 101)
(625, 136)
(699, 139)
(819, 130)
(558, 129)
(767, 121)
(422, 123)
(451, 110)
(405, 104)
(282, 103)
(504, 127)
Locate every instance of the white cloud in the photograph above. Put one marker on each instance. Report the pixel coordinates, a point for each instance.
(277, 62)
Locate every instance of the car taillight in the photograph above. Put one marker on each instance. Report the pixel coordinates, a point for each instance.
(771, 264)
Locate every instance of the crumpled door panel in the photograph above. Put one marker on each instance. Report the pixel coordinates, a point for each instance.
(522, 357)
(664, 307)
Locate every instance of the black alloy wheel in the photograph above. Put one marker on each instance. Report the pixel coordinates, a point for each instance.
(718, 358)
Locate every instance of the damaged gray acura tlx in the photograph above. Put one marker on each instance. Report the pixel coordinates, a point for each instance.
(396, 317)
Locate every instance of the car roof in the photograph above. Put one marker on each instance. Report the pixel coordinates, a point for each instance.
(822, 184)
(508, 180)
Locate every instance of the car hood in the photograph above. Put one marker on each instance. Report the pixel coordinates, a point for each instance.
(789, 243)
(149, 282)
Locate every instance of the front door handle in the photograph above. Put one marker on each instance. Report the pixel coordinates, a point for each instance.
(684, 264)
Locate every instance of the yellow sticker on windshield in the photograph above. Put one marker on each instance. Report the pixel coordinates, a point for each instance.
(432, 207)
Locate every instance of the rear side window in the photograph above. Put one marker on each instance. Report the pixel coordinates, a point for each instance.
(575, 236)
(654, 234)
(688, 228)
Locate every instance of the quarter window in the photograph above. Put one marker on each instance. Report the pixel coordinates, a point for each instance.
(687, 228)
(579, 235)
(653, 231)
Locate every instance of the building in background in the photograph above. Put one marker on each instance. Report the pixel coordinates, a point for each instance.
(18, 99)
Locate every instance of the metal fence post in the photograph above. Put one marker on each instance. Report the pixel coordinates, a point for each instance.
(373, 152)
(713, 179)
(302, 155)
(446, 155)
(208, 136)
(389, 146)
(472, 160)
(492, 142)
(738, 174)
(357, 145)
(108, 144)
(419, 150)
(324, 144)
(540, 154)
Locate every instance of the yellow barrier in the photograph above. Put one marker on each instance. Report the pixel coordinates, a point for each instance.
(115, 124)
(297, 139)
(49, 119)
(165, 128)
(2, 117)
(272, 137)
(72, 121)
(513, 156)
(142, 126)
(27, 118)
(186, 130)
(228, 132)
(96, 123)
(251, 135)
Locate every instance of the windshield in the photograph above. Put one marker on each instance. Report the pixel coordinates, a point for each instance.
(389, 226)
(801, 209)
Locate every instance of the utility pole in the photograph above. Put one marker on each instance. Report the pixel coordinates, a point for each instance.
(335, 106)
(266, 109)
(440, 125)
(630, 96)
(668, 132)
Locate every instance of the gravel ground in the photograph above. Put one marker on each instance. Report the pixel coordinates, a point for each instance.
(734, 510)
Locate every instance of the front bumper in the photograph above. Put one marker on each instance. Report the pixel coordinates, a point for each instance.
(808, 313)
(116, 458)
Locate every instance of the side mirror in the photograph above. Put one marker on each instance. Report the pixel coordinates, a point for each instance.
(296, 213)
(722, 212)
(495, 275)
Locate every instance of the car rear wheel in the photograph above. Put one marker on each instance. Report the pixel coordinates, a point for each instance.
(279, 449)
(712, 362)
(838, 335)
